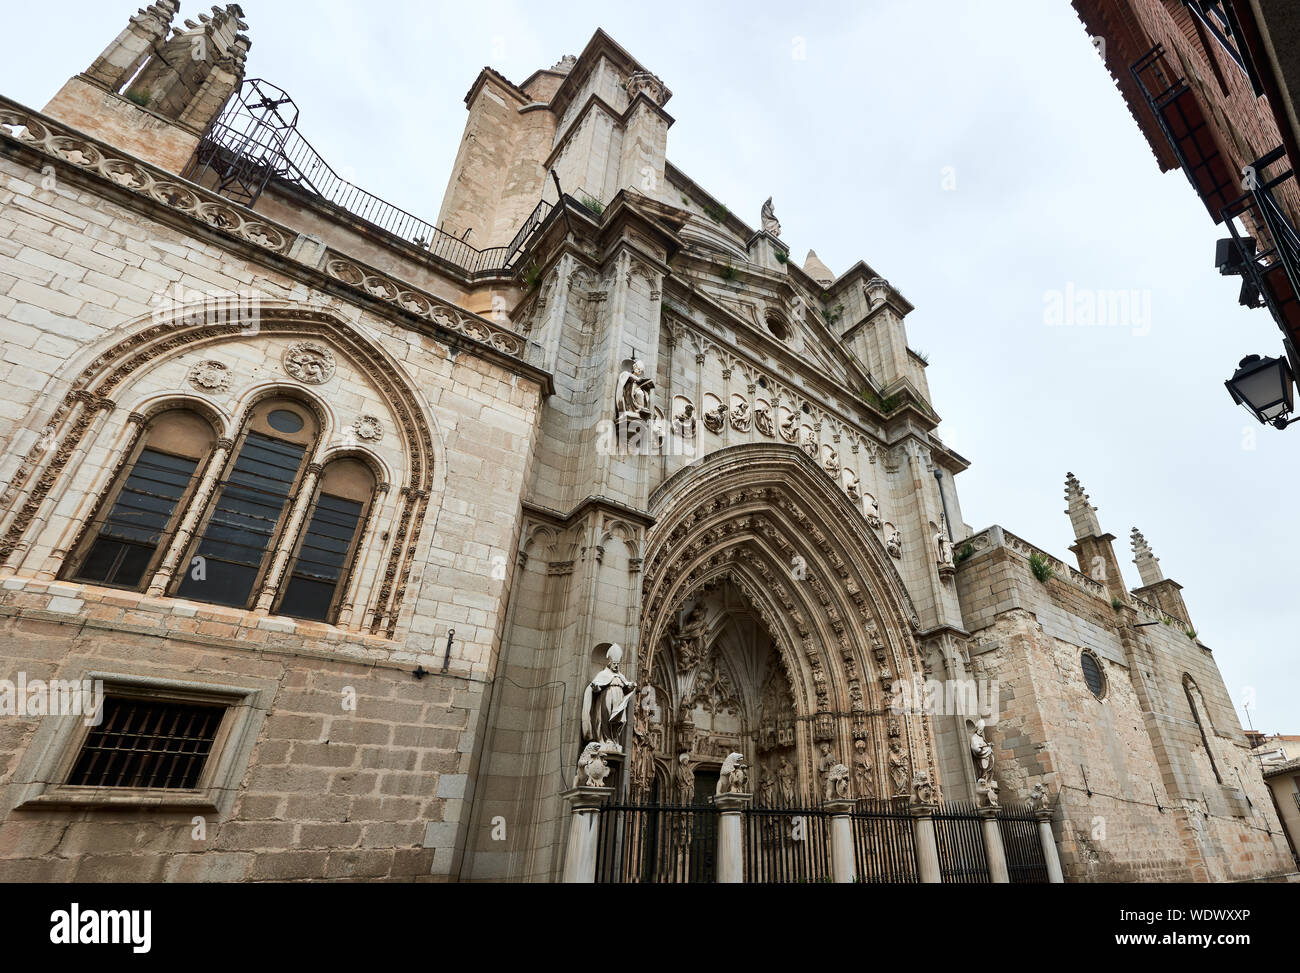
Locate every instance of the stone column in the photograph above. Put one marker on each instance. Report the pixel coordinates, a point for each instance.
(584, 822)
(993, 849)
(843, 861)
(731, 836)
(927, 848)
(198, 505)
(288, 538)
(1053, 860)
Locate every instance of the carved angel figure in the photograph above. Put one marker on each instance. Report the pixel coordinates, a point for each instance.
(592, 769)
(733, 779)
(605, 702)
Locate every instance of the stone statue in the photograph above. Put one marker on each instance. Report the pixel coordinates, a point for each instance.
(733, 779)
(767, 787)
(923, 788)
(763, 420)
(982, 753)
(592, 769)
(894, 541)
(685, 778)
(686, 640)
(809, 443)
(685, 421)
(943, 546)
(785, 781)
(837, 783)
(864, 782)
(740, 416)
(852, 489)
(873, 513)
(770, 224)
(643, 752)
(633, 400)
(605, 702)
(714, 419)
(825, 763)
(832, 464)
(790, 427)
(898, 773)
(1038, 797)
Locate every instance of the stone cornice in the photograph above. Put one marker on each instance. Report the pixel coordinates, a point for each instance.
(585, 506)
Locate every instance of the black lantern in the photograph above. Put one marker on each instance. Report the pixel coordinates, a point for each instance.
(1265, 387)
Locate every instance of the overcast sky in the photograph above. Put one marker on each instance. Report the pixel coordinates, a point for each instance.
(976, 155)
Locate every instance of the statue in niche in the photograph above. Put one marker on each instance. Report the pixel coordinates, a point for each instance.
(873, 513)
(605, 702)
(898, 772)
(852, 489)
(864, 782)
(894, 542)
(943, 546)
(740, 416)
(635, 391)
(809, 443)
(714, 419)
(684, 778)
(685, 422)
(643, 753)
(687, 638)
(592, 768)
(785, 780)
(825, 764)
(733, 779)
(763, 420)
(790, 427)
(832, 464)
(767, 787)
(770, 224)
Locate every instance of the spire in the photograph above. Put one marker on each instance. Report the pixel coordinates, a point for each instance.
(1148, 564)
(1083, 516)
(818, 271)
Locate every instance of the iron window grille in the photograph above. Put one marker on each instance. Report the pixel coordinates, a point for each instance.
(148, 743)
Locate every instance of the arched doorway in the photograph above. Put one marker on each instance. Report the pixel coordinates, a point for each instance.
(773, 623)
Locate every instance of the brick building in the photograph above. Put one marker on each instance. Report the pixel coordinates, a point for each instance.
(1214, 85)
(346, 513)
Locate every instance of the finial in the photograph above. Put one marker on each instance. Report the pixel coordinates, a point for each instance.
(1083, 516)
(1148, 564)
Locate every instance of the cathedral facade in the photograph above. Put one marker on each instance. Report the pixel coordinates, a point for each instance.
(361, 532)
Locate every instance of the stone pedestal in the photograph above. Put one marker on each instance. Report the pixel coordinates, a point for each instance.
(993, 849)
(927, 848)
(731, 836)
(843, 862)
(584, 824)
(1054, 873)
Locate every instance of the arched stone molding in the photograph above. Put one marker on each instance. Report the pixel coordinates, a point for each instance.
(765, 517)
(98, 376)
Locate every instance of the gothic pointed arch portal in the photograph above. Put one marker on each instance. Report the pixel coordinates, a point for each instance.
(773, 622)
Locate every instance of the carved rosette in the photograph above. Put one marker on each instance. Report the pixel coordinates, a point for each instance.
(309, 362)
(368, 429)
(210, 376)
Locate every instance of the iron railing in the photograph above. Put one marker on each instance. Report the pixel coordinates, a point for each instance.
(256, 140)
(661, 843)
(960, 837)
(1220, 21)
(787, 843)
(884, 849)
(1026, 863)
(1186, 128)
(1274, 269)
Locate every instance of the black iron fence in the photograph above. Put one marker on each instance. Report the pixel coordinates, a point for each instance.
(884, 847)
(787, 843)
(662, 843)
(960, 839)
(1022, 845)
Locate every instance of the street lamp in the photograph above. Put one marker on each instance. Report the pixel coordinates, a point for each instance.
(1265, 387)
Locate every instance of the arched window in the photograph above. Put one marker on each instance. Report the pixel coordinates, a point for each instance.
(321, 565)
(238, 538)
(139, 514)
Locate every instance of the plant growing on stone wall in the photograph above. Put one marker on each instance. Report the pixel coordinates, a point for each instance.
(1116, 604)
(730, 272)
(782, 258)
(1190, 633)
(716, 212)
(532, 275)
(1041, 567)
(968, 550)
(140, 98)
(592, 203)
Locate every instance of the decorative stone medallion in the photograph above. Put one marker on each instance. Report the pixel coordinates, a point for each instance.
(210, 376)
(368, 429)
(309, 362)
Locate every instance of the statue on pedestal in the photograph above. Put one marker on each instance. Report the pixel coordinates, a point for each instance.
(605, 702)
(768, 216)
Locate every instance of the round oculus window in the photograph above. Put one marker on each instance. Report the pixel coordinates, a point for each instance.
(282, 420)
